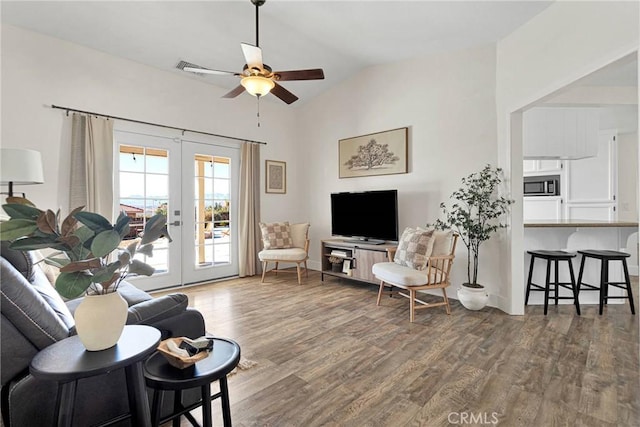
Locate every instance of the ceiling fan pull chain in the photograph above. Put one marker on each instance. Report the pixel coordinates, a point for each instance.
(258, 115)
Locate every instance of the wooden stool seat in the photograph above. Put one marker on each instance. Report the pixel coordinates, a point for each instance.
(552, 257)
(605, 256)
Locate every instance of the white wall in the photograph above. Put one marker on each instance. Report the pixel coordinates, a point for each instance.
(39, 70)
(628, 176)
(448, 103)
(563, 43)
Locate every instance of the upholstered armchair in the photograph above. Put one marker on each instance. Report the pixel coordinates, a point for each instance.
(284, 243)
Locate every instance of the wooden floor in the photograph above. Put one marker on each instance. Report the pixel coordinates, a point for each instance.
(327, 356)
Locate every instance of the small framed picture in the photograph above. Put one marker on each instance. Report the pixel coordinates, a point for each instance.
(276, 177)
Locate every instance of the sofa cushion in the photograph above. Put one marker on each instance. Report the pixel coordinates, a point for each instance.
(157, 308)
(42, 285)
(414, 248)
(299, 234)
(131, 294)
(21, 261)
(26, 263)
(17, 351)
(27, 309)
(276, 235)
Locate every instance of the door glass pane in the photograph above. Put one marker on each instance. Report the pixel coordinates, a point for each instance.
(204, 165)
(132, 185)
(144, 192)
(221, 187)
(220, 169)
(211, 206)
(131, 158)
(157, 185)
(157, 161)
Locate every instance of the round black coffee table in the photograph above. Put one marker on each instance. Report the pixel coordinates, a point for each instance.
(67, 361)
(161, 377)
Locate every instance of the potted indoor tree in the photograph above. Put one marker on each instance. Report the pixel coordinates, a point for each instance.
(92, 262)
(475, 214)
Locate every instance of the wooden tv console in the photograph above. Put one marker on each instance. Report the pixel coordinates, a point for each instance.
(360, 256)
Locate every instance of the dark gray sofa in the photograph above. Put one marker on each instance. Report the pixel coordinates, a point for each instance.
(35, 316)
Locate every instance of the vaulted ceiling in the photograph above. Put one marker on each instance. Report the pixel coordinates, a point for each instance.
(342, 37)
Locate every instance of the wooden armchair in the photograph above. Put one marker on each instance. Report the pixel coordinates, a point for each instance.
(434, 276)
(297, 252)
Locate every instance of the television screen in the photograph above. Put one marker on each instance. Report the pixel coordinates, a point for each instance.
(368, 215)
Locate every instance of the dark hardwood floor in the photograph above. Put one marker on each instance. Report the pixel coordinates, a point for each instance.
(328, 356)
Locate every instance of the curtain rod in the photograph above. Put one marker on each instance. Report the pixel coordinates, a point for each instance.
(154, 124)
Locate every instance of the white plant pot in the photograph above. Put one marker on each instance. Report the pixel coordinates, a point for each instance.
(100, 320)
(473, 298)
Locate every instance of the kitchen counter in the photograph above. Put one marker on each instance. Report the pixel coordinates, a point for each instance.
(576, 234)
(579, 223)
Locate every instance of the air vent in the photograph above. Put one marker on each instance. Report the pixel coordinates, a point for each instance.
(182, 64)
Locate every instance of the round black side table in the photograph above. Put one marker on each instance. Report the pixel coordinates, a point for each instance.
(67, 361)
(161, 377)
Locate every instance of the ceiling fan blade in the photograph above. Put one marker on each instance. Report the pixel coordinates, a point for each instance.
(193, 68)
(235, 92)
(253, 56)
(209, 71)
(313, 74)
(284, 94)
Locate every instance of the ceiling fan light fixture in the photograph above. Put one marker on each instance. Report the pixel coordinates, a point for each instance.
(257, 85)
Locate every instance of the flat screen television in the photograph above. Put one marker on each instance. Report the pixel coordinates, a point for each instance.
(368, 216)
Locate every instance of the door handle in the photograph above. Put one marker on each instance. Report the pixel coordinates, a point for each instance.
(176, 223)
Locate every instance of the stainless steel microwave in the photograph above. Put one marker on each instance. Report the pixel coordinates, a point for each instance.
(548, 185)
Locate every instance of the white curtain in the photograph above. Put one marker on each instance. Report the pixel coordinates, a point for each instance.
(249, 210)
(92, 165)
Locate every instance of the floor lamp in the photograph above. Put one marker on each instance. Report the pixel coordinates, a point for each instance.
(20, 166)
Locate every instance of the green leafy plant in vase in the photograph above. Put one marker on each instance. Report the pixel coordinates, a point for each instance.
(87, 250)
(475, 214)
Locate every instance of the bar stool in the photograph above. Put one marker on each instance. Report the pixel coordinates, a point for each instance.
(605, 256)
(552, 257)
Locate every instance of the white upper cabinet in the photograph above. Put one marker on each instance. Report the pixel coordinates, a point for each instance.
(541, 167)
(560, 133)
(594, 179)
(591, 184)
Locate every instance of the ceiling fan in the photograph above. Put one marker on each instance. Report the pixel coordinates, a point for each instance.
(257, 78)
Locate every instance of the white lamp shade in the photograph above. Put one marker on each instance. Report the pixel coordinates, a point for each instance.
(21, 166)
(257, 85)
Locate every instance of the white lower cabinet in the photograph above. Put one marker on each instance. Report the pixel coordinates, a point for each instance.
(591, 211)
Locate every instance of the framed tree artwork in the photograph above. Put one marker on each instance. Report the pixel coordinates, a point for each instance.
(276, 177)
(382, 153)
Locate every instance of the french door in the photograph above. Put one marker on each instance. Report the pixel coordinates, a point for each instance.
(195, 184)
(209, 201)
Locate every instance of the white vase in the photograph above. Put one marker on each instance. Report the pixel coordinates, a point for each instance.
(473, 298)
(100, 320)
